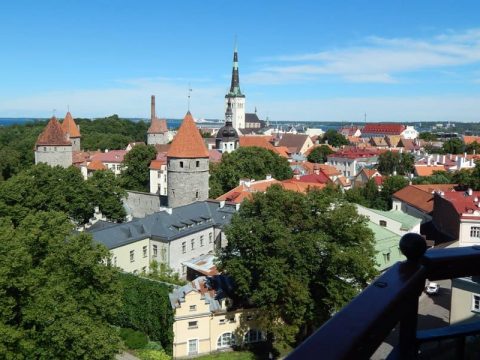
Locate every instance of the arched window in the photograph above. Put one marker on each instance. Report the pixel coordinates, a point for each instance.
(225, 340)
(252, 336)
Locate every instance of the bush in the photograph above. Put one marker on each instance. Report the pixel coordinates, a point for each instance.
(147, 354)
(133, 339)
(153, 345)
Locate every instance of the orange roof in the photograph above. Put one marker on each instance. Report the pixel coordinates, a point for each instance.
(282, 151)
(427, 170)
(188, 143)
(70, 127)
(259, 141)
(471, 139)
(96, 165)
(157, 164)
(244, 191)
(53, 134)
(158, 126)
(421, 196)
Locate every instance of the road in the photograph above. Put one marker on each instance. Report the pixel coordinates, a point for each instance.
(433, 312)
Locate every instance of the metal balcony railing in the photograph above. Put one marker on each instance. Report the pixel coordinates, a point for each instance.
(360, 327)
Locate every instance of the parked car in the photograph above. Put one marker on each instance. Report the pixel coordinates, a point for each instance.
(432, 288)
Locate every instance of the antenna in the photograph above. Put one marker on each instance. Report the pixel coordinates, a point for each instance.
(235, 42)
(365, 117)
(189, 95)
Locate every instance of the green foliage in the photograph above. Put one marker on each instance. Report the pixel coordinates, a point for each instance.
(390, 186)
(334, 138)
(56, 294)
(162, 272)
(246, 162)
(473, 148)
(46, 188)
(438, 177)
(427, 136)
(133, 339)
(368, 196)
(136, 175)
(319, 154)
(107, 194)
(453, 146)
(146, 308)
(390, 162)
(297, 258)
(151, 354)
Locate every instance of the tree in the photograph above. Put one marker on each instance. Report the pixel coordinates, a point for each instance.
(391, 162)
(334, 138)
(453, 146)
(427, 136)
(438, 177)
(246, 162)
(136, 175)
(56, 293)
(107, 194)
(146, 307)
(297, 258)
(473, 148)
(368, 196)
(390, 186)
(319, 154)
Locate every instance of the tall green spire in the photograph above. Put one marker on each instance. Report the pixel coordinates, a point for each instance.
(235, 84)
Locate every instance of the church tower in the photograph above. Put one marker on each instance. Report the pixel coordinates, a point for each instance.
(72, 130)
(236, 97)
(187, 166)
(227, 137)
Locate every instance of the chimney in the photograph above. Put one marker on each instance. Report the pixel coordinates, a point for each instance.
(268, 177)
(443, 159)
(470, 192)
(316, 169)
(152, 108)
(297, 176)
(222, 204)
(168, 211)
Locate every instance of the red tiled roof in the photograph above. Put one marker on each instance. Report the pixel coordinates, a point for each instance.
(320, 178)
(188, 143)
(157, 164)
(421, 196)
(355, 153)
(70, 127)
(214, 156)
(53, 134)
(464, 204)
(428, 170)
(387, 129)
(158, 126)
(96, 165)
(471, 139)
(259, 141)
(378, 180)
(113, 156)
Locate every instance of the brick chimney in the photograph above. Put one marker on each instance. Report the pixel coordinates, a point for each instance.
(152, 108)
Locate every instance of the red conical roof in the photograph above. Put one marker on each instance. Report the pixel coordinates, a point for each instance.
(70, 127)
(188, 143)
(53, 134)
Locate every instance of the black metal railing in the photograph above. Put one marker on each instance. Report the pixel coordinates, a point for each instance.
(358, 329)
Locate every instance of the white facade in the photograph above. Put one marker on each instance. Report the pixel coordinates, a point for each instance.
(238, 111)
(158, 180)
(409, 133)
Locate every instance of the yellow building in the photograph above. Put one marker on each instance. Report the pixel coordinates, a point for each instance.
(204, 322)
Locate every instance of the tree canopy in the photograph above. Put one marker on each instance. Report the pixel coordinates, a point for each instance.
(319, 154)
(246, 162)
(56, 295)
(334, 138)
(46, 188)
(297, 258)
(136, 173)
(453, 146)
(427, 136)
(391, 162)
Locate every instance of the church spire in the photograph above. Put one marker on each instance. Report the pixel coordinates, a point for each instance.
(235, 84)
(228, 114)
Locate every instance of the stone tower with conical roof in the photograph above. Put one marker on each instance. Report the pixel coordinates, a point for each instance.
(158, 131)
(72, 130)
(53, 146)
(187, 166)
(235, 96)
(227, 137)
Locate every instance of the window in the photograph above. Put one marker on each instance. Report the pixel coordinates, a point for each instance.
(184, 269)
(196, 195)
(193, 324)
(221, 321)
(155, 250)
(475, 302)
(184, 247)
(114, 261)
(225, 340)
(158, 174)
(193, 243)
(164, 254)
(197, 163)
(386, 257)
(210, 237)
(192, 347)
(383, 223)
(181, 164)
(193, 307)
(252, 336)
(132, 255)
(475, 232)
(144, 251)
(201, 240)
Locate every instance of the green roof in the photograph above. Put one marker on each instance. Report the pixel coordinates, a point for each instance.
(407, 221)
(386, 242)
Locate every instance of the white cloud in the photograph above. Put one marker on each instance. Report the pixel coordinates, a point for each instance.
(377, 59)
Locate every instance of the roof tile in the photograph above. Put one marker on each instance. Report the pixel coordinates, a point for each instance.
(188, 143)
(53, 134)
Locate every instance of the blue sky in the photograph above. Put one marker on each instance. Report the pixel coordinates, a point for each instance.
(299, 60)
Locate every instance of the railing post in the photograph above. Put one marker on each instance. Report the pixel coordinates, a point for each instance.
(413, 246)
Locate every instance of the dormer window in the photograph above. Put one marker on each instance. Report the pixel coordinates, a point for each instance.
(193, 307)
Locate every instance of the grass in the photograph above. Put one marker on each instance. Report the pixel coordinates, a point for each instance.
(227, 355)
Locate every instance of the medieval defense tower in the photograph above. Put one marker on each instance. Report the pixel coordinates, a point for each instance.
(187, 166)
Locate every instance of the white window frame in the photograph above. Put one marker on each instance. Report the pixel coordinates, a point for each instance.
(132, 256)
(188, 347)
(224, 342)
(155, 250)
(475, 232)
(193, 324)
(184, 247)
(476, 298)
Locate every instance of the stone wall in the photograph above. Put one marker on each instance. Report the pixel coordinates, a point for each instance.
(54, 155)
(140, 204)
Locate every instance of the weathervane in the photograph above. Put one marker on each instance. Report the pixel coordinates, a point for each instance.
(189, 94)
